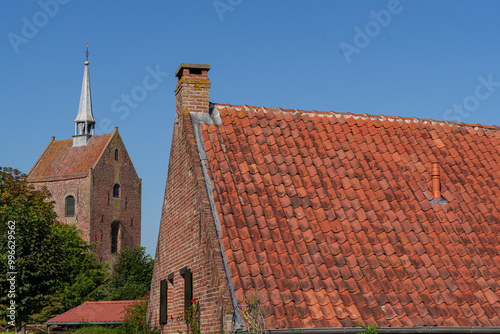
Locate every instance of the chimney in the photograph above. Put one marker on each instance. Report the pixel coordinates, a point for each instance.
(436, 182)
(193, 86)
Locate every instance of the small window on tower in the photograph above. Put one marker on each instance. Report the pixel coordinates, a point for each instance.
(70, 206)
(116, 191)
(116, 154)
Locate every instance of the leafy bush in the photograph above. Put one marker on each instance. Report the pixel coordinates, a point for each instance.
(191, 316)
(135, 318)
(96, 329)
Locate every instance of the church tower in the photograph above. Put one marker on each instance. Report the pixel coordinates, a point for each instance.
(93, 182)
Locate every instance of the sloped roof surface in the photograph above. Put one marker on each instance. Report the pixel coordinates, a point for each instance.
(94, 312)
(328, 216)
(63, 161)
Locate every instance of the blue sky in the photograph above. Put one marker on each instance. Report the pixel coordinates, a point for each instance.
(420, 58)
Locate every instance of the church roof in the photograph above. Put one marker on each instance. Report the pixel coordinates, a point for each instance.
(61, 160)
(331, 219)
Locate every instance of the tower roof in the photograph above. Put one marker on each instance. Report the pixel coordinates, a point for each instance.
(85, 108)
(61, 160)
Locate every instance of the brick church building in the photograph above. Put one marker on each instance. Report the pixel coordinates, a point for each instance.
(330, 218)
(93, 183)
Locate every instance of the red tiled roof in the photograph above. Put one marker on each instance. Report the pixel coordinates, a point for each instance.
(328, 216)
(94, 312)
(62, 161)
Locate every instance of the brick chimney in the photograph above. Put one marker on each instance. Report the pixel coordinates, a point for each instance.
(193, 86)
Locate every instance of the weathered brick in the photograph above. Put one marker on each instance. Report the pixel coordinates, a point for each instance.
(187, 236)
(95, 207)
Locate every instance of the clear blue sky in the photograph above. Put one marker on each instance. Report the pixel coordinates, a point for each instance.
(420, 58)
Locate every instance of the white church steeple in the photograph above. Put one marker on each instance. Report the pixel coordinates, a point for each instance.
(84, 122)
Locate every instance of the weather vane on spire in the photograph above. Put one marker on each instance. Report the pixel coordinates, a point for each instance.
(87, 54)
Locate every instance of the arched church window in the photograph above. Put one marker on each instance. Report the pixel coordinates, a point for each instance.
(70, 206)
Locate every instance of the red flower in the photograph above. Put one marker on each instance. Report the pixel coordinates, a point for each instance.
(194, 300)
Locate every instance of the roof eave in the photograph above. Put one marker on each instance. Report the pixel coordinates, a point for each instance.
(72, 323)
(386, 330)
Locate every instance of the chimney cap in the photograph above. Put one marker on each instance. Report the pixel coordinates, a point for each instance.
(178, 73)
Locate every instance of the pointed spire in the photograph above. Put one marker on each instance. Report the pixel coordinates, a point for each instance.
(84, 122)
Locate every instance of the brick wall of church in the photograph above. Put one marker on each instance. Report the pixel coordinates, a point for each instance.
(123, 210)
(80, 190)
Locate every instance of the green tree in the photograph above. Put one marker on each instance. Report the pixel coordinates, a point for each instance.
(84, 279)
(29, 247)
(44, 260)
(131, 276)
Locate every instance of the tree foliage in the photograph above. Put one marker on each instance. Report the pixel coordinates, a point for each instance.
(37, 265)
(84, 279)
(52, 266)
(131, 276)
(135, 318)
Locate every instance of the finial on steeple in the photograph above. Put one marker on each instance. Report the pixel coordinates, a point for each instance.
(87, 54)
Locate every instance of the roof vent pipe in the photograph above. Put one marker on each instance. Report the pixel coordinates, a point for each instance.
(436, 182)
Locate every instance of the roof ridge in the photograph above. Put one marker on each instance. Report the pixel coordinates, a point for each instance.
(363, 116)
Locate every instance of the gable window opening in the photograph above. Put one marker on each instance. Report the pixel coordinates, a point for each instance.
(116, 191)
(70, 206)
(116, 155)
